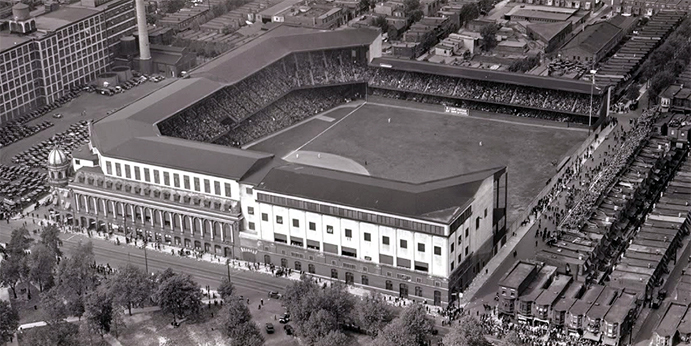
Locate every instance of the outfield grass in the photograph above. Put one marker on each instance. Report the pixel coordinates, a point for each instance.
(415, 145)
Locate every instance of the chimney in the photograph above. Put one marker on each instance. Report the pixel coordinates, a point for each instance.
(144, 51)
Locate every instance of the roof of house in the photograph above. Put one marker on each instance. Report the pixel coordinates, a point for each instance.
(438, 200)
(519, 273)
(623, 22)
(669, 323)
(547, 31)
(594, 37)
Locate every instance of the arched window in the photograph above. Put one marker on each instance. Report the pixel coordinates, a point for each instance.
(389, 285)
(298, 266)
(418, 291)
(284, 263)
(310, 268)
(365, 280)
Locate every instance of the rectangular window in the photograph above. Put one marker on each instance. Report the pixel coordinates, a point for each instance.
(157, 177)
(368, 237)
(250, 210)
(147, 176)
(127, 172)
(467, 230)
(109, 168)
(466, 251)
(217, 188)
(349, 233)
(452, 247)
(248, 190)
(251, 225)
(207, 186)
(437, 250)
(176, 180)
(227, 188)
(166, 178)
(420, 247)
(330, 229)
(137, 173)
(265, 217)
(313, 226)
(118, 170)
(197, 185)
(385, 240)
(404, 244)
(296, 223)
(186, 181)
(279, 220)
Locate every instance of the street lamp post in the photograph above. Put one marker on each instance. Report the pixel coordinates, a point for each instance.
(592, 90)
(228, 267)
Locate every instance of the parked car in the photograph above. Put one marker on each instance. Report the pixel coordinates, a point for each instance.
(275, 295)
(57, 115)
(289, 329)
(269, 328)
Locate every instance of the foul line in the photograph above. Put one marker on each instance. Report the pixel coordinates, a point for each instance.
(316, 116)
(327, 129)
(481, 118)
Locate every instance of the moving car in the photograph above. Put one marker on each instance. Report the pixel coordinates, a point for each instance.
(57, 115)
(275, 295)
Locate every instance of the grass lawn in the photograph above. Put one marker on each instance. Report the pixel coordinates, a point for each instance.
(27, 312)
(417, 145)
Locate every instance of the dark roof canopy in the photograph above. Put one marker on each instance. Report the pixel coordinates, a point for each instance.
(438, 200)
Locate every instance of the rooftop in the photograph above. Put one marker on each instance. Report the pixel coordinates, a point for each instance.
(594, 37)
(517, 275)
(669, 323)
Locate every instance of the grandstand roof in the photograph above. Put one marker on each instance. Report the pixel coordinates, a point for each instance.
(563, 84)
(438, 200)
(275, 45)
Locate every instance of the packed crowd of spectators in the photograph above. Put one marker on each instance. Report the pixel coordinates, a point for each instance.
(16, 131)
(36, 156)
(485, 91)
(537, 335)
(617, 159)
(481, 106)
(230, 106)
(292, 108)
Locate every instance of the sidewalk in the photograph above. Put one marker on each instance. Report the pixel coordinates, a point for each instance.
(503, 253)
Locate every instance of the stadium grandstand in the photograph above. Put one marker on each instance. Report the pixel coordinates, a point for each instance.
(269, 69)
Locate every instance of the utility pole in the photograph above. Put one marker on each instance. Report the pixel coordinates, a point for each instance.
(228, 266)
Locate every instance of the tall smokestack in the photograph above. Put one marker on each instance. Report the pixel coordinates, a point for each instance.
(144, 51)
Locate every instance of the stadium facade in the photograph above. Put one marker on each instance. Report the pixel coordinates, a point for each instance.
(423, 240)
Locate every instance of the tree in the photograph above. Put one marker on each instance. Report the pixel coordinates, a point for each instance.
(76, 276)
(11, 272)
(42, 262)
(632, 92)
(661, 81)
(52, 302)
(380, 22)
(468, 12)
(364, 5)
(318, 326)
(236, 314)
(373, 313)
(15, 268)
(489, 36)
(151, 19)
(58, 334)
(485, 6)
(130, 286)
(409, 329)
(226, 289)
(334, 338)
(98, 311)
(179, 295)
(20, 242)
(469, 333)
(174, 5)
(9, 321)
(248, 334)
(393, 33)
(50, 236)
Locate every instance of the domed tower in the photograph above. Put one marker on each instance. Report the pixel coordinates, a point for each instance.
(58, 168)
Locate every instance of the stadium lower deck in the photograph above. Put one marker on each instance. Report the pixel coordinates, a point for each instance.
(414, 142)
